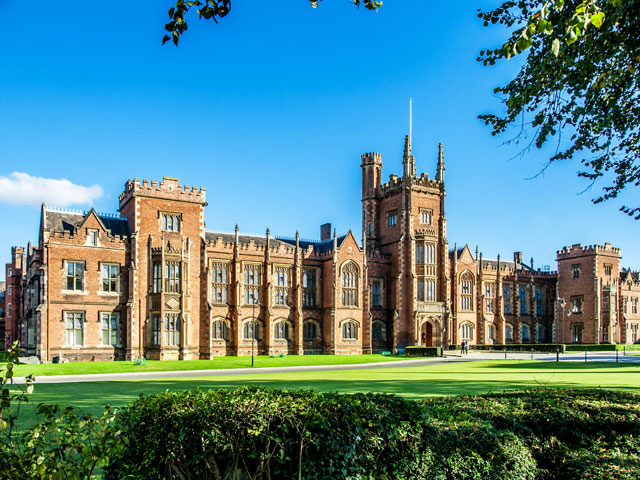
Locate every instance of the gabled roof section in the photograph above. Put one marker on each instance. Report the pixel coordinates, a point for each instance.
(68, 221)
(319, 246)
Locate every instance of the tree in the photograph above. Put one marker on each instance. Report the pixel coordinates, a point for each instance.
(580, 78)
(217, 9)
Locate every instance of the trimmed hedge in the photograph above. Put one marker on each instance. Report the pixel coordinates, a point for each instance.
(525, 347)
(418, 351)
(603, 347)
(4, 357)
(259, 433)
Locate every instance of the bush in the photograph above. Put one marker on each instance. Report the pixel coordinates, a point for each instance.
(424, 351)
(516, 347)
(628, 348)
(258, 433)
(605, 347)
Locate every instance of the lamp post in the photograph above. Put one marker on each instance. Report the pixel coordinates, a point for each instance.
(562, 304)
(253, 326)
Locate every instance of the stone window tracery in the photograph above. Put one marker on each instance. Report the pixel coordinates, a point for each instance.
(350, 285)
(251, 284)
(220, 282)
(281, 288)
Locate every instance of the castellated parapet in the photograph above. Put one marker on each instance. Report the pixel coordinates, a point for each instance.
(371, 158)
(169, 188)
(578, 250)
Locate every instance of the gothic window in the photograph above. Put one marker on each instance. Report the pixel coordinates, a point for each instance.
(156, 324)
(634, 333)
(634, 305)
(93, 238)
(607, 269)
(425, 216)
(281, 330)
(539, 301)
(491, 332)
(506, 294)
(392, 218)
(220, 330)
(625, 302)
(74, 322)
(309, 289)
(251, 284)
(220, 286)
(575, 271)
(157, 277)
(251, 330)
(489, 289)
(540, 334)
(310, 330)
(525, 333)
(605, 301)
(378, 332)
(170, 222)
(376, 293)
(370, 181)
(172, 330)
(576, 304)
(110, 328)
(508, 333)
(110, 276)
(576, 333)
(466, 331)
(522, 293)
(349, 330)
(172, 277)
(420, 253)
(466, 292)
(430, 253)
(350, 285)
(75, 276)
(281, 289)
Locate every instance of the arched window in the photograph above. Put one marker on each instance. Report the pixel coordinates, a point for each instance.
(251, 330)
(466, 331)
(281, 330)
(525, 333)
(491, 332)
(310, 330)
(378, 331)
(220, 330)
(508, 333)
(466, 291)
(350, 285)
(349, 330)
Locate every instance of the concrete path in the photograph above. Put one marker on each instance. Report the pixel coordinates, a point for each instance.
(450, 357)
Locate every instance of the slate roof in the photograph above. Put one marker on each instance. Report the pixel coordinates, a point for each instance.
(319, 246)
(68, 222)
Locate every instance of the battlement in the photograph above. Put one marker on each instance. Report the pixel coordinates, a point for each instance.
(578, 250)
(169, 188)
(371, 158)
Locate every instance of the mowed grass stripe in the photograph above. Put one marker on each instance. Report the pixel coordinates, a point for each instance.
(412, 382)
(87, 368)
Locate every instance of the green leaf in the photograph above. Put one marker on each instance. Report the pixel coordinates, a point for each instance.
(597, 19)
(555, 46)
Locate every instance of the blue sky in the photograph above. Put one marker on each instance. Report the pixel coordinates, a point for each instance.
(270, 111)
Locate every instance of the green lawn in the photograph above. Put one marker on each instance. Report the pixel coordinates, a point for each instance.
(82, 368)
(412, 382)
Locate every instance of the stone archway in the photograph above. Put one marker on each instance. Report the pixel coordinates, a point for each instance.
(426, 334)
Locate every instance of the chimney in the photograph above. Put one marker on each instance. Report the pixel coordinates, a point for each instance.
(325, 232)
(517, 257)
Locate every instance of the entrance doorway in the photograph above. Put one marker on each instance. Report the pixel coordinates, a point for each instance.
(426, 334)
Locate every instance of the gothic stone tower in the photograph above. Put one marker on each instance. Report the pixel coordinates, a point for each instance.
(404, 219)
(167, 224)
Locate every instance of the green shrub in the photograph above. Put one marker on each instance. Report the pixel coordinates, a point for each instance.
(418, 351)
(605, 347)
(628, 348)
(516, 347)
(258, 433)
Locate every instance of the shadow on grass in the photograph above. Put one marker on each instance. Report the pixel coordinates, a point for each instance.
(632, 367)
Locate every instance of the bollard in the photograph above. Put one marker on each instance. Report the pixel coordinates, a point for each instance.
(624, 351)
(558, 354)
(585, 356)
(532, 354)
(616, 356)
(505, 353)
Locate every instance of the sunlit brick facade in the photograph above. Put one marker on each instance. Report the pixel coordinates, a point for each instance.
(152, 282)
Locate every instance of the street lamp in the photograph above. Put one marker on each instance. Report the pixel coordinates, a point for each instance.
(563, 304)
(253, 325)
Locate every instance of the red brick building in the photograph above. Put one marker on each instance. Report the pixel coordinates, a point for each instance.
(153, 282)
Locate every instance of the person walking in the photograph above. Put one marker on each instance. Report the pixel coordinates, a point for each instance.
(466, 348)
(462, 348)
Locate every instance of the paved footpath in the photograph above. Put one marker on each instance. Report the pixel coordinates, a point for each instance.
(450, 357)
